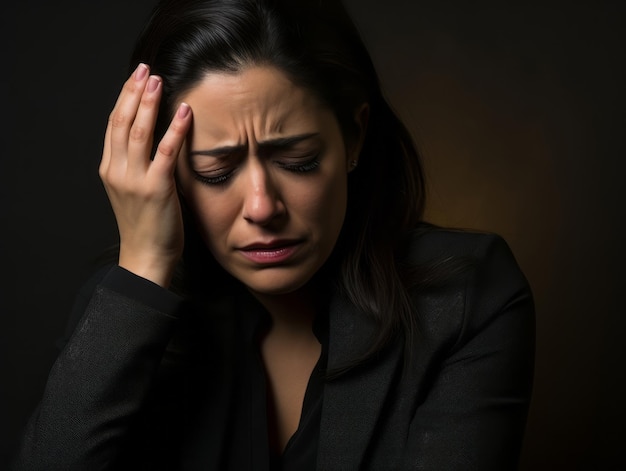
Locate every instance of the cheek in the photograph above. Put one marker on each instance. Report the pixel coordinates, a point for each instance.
(214, 215)
(323, 202)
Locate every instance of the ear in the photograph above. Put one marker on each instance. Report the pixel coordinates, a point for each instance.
(353, 149)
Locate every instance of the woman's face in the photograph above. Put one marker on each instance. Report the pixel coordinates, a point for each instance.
(265, 172)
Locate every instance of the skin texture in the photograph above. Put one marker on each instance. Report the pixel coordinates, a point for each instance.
(257, 193)
(142, 191)
(296, 192)
(264, 167)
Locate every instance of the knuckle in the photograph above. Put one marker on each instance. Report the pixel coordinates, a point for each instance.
(148, 100)
(118, 119)
(139, 133)
(166, 149)
(132, 86)
(177, 128)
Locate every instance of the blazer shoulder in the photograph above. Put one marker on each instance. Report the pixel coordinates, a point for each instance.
(432, 243)
(478, 280)
(477, 256)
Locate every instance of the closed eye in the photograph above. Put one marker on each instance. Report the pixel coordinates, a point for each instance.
(219, 178)
(216, 180)
(215, 167)
(211, 174)
(301, 167)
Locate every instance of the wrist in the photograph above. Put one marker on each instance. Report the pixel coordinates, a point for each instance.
(158, 270)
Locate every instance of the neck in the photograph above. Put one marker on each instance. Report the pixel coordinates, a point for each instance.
(291, 313)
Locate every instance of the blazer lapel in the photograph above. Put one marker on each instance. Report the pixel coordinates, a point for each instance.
(353, 403)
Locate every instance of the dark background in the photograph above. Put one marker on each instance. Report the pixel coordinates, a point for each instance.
(518, 111)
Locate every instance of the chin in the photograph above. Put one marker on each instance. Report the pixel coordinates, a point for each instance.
(275, 281)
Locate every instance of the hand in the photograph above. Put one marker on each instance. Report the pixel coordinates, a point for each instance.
(142, 191)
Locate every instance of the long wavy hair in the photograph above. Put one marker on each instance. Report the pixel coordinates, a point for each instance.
(316, 44)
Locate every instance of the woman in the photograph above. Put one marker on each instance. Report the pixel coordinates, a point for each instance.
(278, 302)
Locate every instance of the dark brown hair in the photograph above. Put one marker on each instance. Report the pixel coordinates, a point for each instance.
(315, 43)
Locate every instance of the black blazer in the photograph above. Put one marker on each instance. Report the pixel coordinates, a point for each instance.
(458, 402)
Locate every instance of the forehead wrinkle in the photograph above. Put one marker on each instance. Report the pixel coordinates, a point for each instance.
(254, 108)
(266, 121)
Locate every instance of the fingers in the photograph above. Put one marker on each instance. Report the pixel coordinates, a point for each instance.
(172, 142)
(130, 131)
(142, 191)
(123, 116)
(141, 132)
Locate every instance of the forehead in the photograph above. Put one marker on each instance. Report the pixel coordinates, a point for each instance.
(255, 103)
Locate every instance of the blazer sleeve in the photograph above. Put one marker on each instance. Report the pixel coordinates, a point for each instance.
(474, 414)
(101, 377)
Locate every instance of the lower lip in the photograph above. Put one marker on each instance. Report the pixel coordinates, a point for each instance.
(270, 255)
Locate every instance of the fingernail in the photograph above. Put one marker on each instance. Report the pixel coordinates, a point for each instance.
(141, 71)
(183, 110)
(153, 83)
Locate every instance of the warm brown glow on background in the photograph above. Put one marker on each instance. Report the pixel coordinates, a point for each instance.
(518, 111)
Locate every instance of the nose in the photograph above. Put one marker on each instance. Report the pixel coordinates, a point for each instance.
(262, 201)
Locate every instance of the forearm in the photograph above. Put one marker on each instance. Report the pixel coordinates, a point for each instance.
(97, 385)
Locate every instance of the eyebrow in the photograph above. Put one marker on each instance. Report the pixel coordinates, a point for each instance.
(270, 144)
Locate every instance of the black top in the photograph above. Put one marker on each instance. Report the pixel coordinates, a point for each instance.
(144, 384)
(248, 440)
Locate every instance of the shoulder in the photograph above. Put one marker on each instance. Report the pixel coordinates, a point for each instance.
(471, 362)
(463, 255)
(429, 243)
(479, 284)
